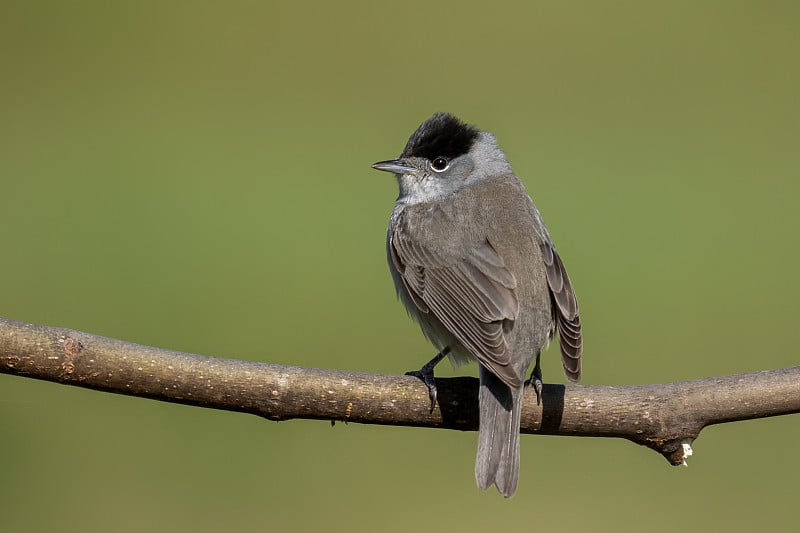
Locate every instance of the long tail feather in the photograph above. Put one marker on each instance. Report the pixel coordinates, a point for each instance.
(498, 440)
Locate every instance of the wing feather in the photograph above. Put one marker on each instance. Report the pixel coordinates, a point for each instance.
(566, 311)
(472, 295)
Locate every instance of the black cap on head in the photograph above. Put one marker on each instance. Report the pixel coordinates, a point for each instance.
(442, 135)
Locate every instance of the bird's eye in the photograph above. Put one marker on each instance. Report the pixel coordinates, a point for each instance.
(440, 164)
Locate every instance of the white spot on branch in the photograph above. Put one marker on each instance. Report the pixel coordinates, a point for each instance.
(687, 450)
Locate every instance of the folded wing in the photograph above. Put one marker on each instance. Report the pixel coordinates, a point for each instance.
(565, 309)
(473, 296)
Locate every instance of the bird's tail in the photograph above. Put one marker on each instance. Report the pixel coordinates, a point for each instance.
(498, 439)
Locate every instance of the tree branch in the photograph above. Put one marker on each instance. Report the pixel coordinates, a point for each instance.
(665, 417)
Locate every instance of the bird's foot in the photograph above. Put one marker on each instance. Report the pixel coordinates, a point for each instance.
(536, 381)
(426, 375)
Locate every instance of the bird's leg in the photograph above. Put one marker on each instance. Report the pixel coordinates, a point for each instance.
(536, 380)
(426, 374)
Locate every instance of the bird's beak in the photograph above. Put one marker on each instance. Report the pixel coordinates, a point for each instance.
(398, 166)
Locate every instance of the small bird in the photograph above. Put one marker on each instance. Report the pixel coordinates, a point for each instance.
(473, 263)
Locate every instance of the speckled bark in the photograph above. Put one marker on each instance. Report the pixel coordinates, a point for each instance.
(661, 416)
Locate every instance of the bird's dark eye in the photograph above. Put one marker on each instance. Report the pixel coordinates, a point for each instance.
(440, 164)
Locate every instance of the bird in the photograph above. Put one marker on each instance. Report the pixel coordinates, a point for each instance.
(475, 266)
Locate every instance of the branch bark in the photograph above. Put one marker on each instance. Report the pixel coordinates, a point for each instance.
(664, 417)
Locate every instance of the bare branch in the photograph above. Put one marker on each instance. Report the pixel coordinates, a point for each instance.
(663, 417)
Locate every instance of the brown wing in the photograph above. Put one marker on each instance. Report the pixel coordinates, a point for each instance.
(566, 312)
(472, 296)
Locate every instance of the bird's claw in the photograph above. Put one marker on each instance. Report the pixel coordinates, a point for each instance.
(536, 381)
(537, 387)
(426, 375)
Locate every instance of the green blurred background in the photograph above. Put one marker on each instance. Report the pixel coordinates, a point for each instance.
(196, 176)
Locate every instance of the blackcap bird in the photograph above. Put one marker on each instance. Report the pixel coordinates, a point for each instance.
(474, 264)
